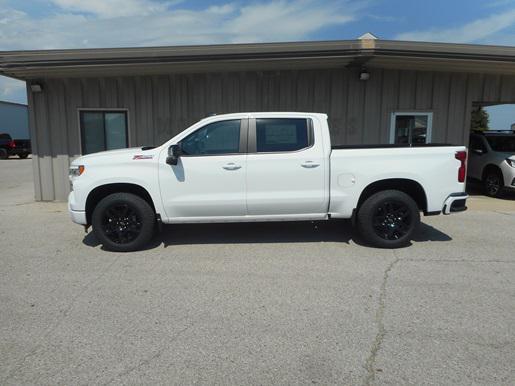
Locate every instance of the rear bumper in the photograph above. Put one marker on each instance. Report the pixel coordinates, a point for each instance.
(456, 202)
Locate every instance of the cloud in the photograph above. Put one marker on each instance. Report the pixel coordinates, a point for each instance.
(290, 20)
(113, 8)
(478, 31)
(12, 90)
(117, 23)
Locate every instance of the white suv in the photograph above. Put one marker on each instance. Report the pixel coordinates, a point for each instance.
(492, 160)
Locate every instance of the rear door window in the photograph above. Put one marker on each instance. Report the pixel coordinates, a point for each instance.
(282, 134)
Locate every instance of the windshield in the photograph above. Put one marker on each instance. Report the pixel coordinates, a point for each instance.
(502, 143)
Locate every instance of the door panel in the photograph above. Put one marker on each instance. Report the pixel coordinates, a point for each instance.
(204, 186)
(209, 178)
(289, 182)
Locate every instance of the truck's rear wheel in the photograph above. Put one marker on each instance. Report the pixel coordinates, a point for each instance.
(4, 154)
(23, 155)
(388, 219)
(123, 222)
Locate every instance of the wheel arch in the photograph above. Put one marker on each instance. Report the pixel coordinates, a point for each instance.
(411, 187)
(102, 191)
(490, 167)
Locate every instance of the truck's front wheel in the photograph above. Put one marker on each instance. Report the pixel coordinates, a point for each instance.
(388, 219)
(123, 222)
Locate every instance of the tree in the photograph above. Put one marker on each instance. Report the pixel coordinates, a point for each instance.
(480, 119)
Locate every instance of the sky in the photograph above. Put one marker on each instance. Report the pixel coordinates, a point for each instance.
(49, 24)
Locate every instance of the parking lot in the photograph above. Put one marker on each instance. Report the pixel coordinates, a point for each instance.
(290, 303)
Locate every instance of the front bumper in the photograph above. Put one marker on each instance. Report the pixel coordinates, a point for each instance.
(77, 216)
(456, 202)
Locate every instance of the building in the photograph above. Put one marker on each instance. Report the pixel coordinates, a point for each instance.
(14, 119)
(374, 91)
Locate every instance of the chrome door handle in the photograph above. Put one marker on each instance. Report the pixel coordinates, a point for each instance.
(231, 166)
(309, 164)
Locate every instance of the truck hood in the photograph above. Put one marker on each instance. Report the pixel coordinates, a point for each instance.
(115, 155)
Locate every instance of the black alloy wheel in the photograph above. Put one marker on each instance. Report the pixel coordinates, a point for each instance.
(392, 220)
(123, 222)
(387, 219)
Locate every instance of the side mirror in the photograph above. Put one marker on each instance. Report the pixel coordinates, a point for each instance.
(174, 152)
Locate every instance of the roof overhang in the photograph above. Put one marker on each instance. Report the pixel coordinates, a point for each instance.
(28, 65)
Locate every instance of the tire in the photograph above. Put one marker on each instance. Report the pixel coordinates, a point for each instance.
(4, 154)
(23, 155)
(387, 219)
(123, 222)
(493, 182)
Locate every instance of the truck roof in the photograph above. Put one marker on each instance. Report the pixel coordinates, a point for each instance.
(268, 113)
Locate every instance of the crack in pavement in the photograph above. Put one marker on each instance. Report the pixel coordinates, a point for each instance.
(376, 344)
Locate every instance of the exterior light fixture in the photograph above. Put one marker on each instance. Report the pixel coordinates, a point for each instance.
(36, 87)
(364, 74)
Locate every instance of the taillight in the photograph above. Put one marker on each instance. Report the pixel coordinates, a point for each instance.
(12, 144)
(462, 171)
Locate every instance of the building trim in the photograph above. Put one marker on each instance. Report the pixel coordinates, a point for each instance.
(14, 104)
(33, 64)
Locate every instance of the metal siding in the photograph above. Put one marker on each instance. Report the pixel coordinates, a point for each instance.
(355, 108)
(508, 88)
(371, 132)
(389, 101)
(34, 143)
(160, 106)
(492, 88)
(337, 104)
(127, 99)
(456, 112)
(58, 138)
(441, 93)
(407, 90)
(474, 92)
(73, 100)
(44, 145)
(424, 91)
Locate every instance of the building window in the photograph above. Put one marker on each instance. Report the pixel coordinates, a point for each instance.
(280, 135)
(411, 128)
(103, 130)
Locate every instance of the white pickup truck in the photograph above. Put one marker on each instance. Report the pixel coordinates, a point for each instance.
(264, 167)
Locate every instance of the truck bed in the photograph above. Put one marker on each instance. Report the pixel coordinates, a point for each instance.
(352, 168)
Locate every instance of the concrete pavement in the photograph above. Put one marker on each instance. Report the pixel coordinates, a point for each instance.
(291, 303)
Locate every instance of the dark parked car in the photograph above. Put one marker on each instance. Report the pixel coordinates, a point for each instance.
(9, 146)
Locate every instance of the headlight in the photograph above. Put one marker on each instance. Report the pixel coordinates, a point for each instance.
(510, 162)
(76, 170)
